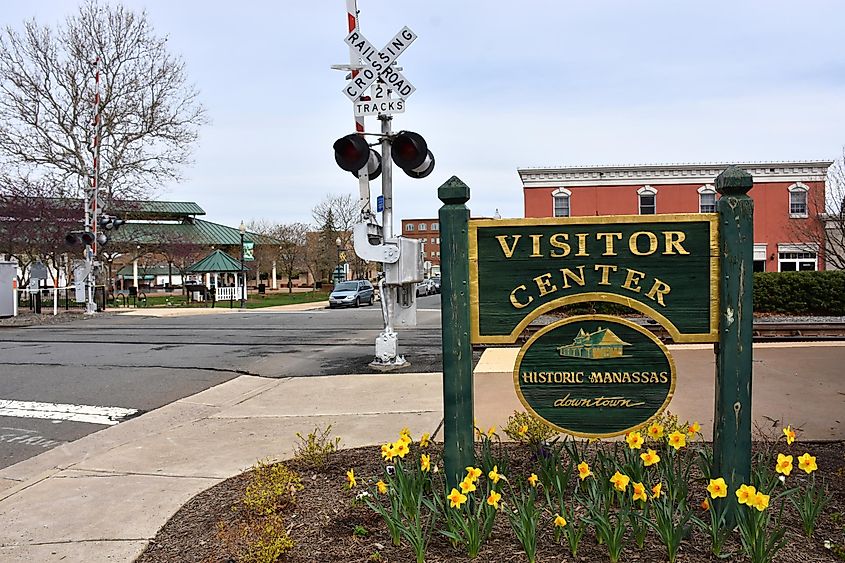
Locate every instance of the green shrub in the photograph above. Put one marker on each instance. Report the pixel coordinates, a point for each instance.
(800, 293)
(315, 449)
(271, 487)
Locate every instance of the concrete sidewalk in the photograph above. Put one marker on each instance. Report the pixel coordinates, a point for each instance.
(189, 311)
(103, 497)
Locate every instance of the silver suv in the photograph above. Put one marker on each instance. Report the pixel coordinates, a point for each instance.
(352, 294)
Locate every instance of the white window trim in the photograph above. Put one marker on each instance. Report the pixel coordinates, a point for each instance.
(646, 190)
(799, 187)
(561, 192)
(409, 227)
(708, 189)
(799, 247)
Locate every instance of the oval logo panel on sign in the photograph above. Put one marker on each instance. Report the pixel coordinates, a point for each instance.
(594, 376)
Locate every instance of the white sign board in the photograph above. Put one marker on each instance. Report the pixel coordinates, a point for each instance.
(380, 106)
(378, 64)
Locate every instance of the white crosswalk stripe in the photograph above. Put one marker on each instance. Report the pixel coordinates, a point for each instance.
(108, 416)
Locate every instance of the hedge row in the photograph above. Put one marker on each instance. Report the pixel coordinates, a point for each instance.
(800, 293)
(792, 293)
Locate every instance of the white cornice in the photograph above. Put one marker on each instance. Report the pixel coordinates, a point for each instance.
(799, 171)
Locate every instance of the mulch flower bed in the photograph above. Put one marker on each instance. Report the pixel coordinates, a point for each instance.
(327, 523)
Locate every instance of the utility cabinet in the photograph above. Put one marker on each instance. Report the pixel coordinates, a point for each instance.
(8, 274)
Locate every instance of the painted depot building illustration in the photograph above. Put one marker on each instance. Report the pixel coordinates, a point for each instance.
(602, 343)
(788, 201)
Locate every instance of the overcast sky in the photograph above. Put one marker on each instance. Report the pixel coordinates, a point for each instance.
(500, 85)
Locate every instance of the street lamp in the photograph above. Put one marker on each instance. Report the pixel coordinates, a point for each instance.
(337, 271)
(242, 229)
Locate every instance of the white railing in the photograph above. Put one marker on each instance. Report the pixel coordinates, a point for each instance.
(53, 290)
(229, 294)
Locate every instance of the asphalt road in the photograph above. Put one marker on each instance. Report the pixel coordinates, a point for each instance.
(142, 363)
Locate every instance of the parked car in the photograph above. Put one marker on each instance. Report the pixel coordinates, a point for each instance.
(426, 287)
(352, 294)
(436, 282)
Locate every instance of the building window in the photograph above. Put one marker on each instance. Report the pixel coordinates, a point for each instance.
(648, 200)
(422, 226)
(797, 258)
(706, 199)
(435, 226)
(760, 257)
(409, 228)
(560, 198)
(798, 200)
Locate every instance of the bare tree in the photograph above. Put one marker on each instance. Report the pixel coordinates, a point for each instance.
(150, 114)
(32, 225)
(341, 213)
(824, 225)
(292, 249)
(834, 220)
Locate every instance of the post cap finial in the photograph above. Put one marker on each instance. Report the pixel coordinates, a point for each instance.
(734, 181)
(453, 191)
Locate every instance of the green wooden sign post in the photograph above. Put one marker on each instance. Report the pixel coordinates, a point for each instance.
(732, 420)
(458, 448)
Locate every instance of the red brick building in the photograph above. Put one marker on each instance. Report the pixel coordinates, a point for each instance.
(428, 232)
(788, 201)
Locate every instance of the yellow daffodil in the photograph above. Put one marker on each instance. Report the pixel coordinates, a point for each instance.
(635, 440)
(760, 502)
(694, 429)
(494, 475)
(388, 452)
(382, 487)
(456, 499)
(491, 431)
(677, 440)
(639, 492)
(532, 480)
(807, 462)
(790, 434)
(620, 482)
(705, 504)
(425, 462)
(655, 431)
(405, 432)
(717, 488)
(655, 490)
(401, 449)
(522, 430)
(466, 486)
(493, 499)
(560, 521)
(425, 441)
(745, 494)
(784, 464)
(473, 473)
(650, 458)
(584, 470)
(404, 439)
(350, 478)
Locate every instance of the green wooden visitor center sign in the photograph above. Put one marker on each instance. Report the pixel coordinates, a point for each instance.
(598, 375)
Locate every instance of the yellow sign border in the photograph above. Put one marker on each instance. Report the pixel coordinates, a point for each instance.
(713, 218)
(673, 376)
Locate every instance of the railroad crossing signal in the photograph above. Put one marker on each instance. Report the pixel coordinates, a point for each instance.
(409, 152)
(352, 153)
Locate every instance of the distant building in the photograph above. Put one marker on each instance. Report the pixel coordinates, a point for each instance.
(602, 343)
(788, 201)
(426, 231)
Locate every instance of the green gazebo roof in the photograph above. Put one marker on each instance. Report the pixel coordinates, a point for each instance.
(216, 262)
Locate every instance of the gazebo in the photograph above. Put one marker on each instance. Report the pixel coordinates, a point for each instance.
(216, 263)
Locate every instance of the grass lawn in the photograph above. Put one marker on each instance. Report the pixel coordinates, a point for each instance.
(255, 301)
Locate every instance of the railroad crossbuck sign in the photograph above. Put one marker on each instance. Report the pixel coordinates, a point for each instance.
(595, 375)
(378, 65)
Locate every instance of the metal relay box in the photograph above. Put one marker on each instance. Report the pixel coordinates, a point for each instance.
(409, 267)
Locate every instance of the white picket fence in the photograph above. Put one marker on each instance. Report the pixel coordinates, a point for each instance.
(229, 294)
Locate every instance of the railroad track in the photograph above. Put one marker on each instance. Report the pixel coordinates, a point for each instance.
(762, 332)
